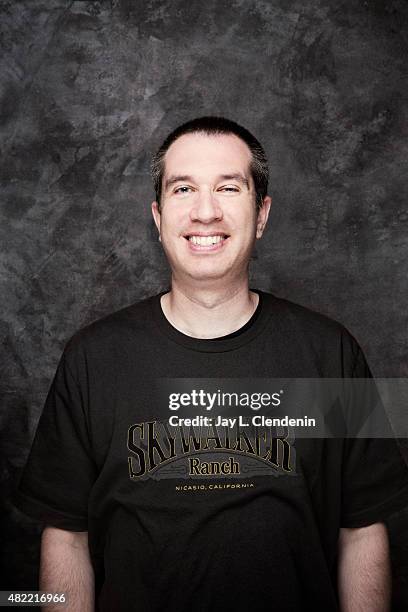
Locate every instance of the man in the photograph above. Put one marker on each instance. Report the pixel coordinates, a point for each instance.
(143, 515)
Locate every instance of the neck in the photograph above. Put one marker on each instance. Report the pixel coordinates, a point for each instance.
(209, 312)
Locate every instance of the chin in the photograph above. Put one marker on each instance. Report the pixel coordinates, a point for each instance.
(207, 275)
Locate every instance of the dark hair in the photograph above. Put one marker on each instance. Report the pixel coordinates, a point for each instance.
(216, 126)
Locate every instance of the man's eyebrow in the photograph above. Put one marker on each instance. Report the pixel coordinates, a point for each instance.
(176, 179)
(222, 177)
(234, 177)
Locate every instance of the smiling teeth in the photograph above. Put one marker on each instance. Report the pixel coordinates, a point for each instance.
(205, 240)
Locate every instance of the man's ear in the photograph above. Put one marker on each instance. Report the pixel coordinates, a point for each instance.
(263, 214)
(156, 215)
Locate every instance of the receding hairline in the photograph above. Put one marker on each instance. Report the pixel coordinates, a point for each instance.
(212, 135)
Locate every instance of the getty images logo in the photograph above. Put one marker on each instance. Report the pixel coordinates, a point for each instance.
(208, 401)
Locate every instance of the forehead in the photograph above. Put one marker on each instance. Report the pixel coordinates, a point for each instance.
(202, 154)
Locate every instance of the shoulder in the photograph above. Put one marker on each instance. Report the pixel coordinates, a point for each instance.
(315, 334)
(298, 316)
(113, 331)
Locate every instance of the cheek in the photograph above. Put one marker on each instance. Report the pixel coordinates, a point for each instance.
(175, 214)
(242, 225)
(172, 220)
(239, 213)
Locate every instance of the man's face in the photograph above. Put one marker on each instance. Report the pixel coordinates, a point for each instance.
(208, 221)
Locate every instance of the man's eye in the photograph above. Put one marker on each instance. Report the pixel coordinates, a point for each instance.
(229, 188)
(183, 189)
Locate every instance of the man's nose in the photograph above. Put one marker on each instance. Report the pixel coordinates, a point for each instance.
(206, 208)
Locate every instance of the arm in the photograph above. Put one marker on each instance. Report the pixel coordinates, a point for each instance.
(364, 573)
(66, 568)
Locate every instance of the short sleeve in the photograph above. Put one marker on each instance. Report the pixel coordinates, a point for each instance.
(60, 471)
(375, 475)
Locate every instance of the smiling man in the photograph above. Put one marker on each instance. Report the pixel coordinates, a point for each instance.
(143, 515)
(209, 211)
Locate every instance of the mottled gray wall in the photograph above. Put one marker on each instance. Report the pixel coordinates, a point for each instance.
(89, 90)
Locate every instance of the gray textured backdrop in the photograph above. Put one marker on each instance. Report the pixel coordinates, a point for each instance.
(89, 90)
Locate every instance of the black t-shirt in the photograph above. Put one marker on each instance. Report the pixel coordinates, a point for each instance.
(162, 538)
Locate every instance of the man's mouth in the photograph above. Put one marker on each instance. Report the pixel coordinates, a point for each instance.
(206, 240)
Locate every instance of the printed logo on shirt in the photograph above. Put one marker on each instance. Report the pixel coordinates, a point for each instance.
(160, 451)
